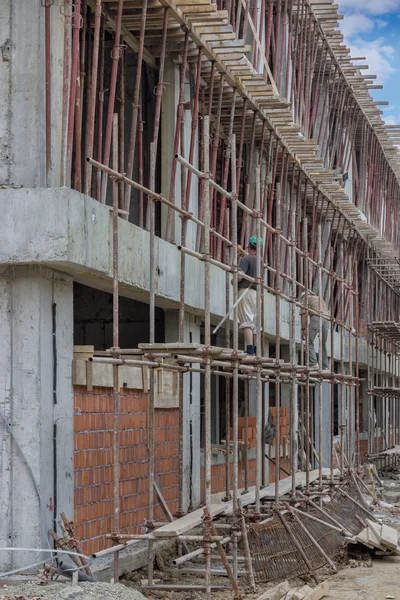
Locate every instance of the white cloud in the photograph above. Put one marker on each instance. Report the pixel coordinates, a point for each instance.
(356, 24)
(371, 7)
(393, 118)
(381, 23)
(378, 56)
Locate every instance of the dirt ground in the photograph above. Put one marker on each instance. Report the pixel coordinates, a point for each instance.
(377, 583)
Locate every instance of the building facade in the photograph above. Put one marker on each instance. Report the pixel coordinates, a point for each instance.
(136, 246)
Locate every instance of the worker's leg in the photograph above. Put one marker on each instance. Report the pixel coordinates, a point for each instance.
(246, 314)
(313, 330)
(248, 336)
(325, 329)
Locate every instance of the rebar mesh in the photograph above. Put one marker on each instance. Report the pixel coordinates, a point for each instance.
(274, 554)
(345, 511)
(330, 541)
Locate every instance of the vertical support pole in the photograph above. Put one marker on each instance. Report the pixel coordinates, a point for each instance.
(278, 232)
(116, 345)
(100, 109)
(66, 86)
(151, 420)
(136, 100)
(306, 425)
(47, 16)
(292, 350)
(207, 322)
(259, 270)
(72, 93)
(116, 53)
(235, 390)
(320, 386)
(342, 395)
(93, 97)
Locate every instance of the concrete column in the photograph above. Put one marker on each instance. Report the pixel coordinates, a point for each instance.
(323, 400)
(191, 410)
(22, 93)
(36, 407)
(266, 404)
(168, 125)
(285, 398)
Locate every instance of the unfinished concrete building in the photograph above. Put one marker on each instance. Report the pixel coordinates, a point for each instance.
(142, 142)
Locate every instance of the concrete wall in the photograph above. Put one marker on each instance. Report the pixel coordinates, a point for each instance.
(35, 379)
(22, 93)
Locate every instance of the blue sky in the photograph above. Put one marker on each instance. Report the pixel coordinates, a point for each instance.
(372, 29)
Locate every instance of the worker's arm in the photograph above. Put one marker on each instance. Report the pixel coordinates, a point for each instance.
(240, 277)
(241, 271)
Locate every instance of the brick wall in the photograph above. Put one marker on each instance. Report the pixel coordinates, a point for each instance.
(93, 463)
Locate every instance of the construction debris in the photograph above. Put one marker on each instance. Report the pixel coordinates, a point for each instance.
(66, 591)
(276, 593)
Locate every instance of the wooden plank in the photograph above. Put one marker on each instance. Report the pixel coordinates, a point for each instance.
(319, 592)
(389, 536)
(374, 539)
(84, 349)
(276, 592)
(188, 522)
(301, 593)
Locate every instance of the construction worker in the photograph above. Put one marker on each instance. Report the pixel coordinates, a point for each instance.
(247, 306)
(315, 305)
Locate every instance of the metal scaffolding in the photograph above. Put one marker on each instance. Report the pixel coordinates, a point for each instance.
(275, 126)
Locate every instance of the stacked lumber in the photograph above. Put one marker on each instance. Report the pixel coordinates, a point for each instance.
(381, 538)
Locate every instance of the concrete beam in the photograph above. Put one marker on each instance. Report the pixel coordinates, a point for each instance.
(72, 233)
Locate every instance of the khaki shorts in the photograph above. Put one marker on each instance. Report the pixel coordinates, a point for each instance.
(247, 310)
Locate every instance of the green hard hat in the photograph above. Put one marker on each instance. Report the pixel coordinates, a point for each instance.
(253, 241)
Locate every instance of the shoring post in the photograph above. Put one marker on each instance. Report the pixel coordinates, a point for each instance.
(122, 93)
(116, 465)
(342, 391)
(351, 258)
(293, 354)
(207, 321)
(136, 100)
(151, 419)
(66, 86)
(140, 128)
(100, 114)
(235, 332)
(306, 425)
(47, 17)
(116, 53)
(76, 24)
(320, 386)
(228, 386)
(278, 337)
(78, 129)
(92, 98)
(331, 282)
(246, 547)
(259, 422)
